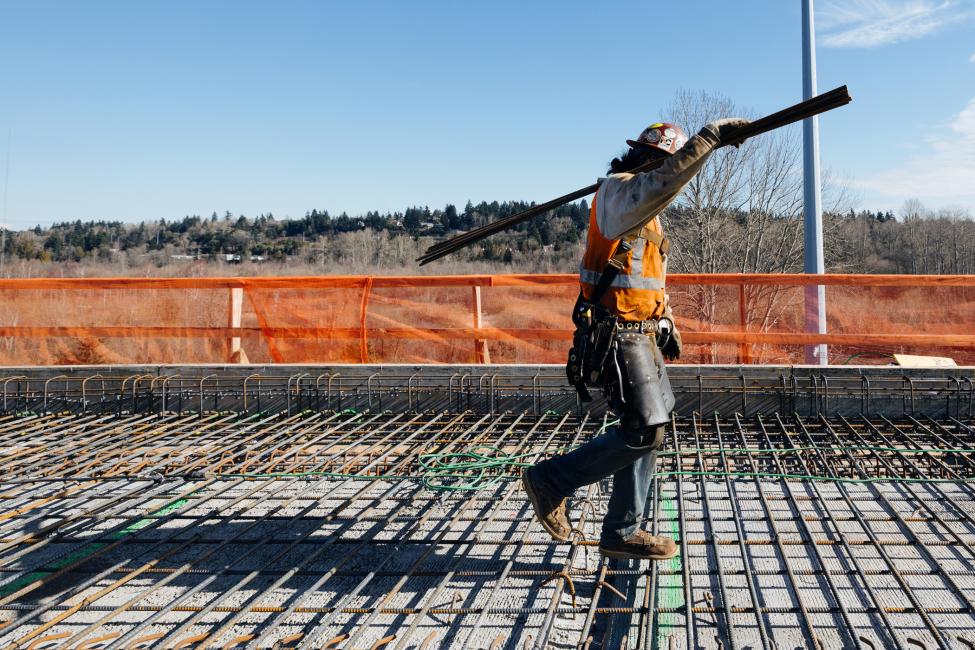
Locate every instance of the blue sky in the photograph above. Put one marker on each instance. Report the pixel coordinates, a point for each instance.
(136, 111)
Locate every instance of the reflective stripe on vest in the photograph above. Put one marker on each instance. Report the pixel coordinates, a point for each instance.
(639, 248)
(623, 281)
(637, 292)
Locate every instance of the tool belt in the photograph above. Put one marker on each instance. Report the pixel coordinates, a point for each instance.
(592, 344)
(651, 326)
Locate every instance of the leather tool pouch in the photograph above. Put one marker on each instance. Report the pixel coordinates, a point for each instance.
(638, 385)
(603, 334)
(574, 365)
(579, 352)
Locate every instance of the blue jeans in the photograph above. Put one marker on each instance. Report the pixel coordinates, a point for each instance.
(631, 467)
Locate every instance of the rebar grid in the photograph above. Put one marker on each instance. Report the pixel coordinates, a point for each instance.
(149, 529)
(750, 390)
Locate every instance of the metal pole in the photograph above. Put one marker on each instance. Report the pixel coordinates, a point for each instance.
(6, 187)
(813, 222)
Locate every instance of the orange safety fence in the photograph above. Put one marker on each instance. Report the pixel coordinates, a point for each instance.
(724, 318)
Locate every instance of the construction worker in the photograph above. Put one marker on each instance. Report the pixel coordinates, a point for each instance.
(627, 363)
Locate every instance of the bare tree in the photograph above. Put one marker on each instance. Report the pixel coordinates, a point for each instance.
(740, 214)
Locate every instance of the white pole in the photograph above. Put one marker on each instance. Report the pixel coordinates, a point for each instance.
(813, 221)
(6, 187)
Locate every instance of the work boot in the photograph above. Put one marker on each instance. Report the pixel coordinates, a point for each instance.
(640, 546)
(550, 512)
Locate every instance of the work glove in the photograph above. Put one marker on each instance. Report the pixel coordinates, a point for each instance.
(721, 128)
(672, 347)
(668, 338)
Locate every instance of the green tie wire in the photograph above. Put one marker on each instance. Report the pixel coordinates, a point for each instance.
(480, 468)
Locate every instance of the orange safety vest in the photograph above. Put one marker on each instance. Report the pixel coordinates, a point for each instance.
(637, 293)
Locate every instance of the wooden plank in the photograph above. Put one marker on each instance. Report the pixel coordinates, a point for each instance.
(919, 361)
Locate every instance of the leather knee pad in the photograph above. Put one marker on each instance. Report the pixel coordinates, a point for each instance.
(650, 437)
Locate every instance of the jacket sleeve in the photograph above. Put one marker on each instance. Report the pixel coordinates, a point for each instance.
(626, 202)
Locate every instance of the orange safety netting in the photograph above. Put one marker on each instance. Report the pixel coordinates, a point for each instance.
(725, 318)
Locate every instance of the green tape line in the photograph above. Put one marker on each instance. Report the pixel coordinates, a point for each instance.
(89, 549)
(670, 587)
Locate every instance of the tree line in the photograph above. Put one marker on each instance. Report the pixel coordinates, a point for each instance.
(265, 237)
(706, 240)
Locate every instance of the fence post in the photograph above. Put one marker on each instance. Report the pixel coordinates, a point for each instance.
(744, 348)
(237, 354)
(481, 354)
(363, 340)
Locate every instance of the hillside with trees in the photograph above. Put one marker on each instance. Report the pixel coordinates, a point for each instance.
(705, 240)
(317, 243)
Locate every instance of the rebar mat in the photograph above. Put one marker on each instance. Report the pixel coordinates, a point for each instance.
(316, 530)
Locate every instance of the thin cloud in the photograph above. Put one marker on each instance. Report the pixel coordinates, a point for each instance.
(942, 173)
(872, 23)
(972, 59)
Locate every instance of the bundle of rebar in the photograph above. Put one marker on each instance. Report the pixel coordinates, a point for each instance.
(798, 112)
